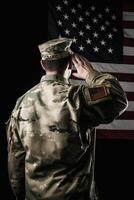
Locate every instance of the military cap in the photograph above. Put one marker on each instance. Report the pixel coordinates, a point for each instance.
(56, 48)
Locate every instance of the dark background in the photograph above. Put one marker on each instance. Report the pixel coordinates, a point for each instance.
(23, 27)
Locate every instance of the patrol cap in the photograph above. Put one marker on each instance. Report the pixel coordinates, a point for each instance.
(56, 48)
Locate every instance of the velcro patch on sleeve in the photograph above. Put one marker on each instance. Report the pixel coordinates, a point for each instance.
(98, 93)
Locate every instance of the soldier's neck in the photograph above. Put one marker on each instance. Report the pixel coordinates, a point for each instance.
(54, 73)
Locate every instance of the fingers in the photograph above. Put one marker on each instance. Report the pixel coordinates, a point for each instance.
(76, 61)
(76, 75)
(84, 59)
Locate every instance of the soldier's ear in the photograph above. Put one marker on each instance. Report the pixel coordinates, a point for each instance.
(43, 63)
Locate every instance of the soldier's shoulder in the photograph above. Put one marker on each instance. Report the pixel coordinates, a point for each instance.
(29, 95)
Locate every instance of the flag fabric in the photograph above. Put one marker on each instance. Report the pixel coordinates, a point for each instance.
(103, 32)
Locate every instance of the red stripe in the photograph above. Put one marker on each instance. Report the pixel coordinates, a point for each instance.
(128, 115)
(115, 134)
(130, 96)
(128, 42)
(128, 24)
(128, 7)
(124, 77)
(128, 59)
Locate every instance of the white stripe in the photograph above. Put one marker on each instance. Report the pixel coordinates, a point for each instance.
(111, 67)
(130, 106)
(118, 125)
(128, 33)
(128, 51)
(128, 16)
(127, 86)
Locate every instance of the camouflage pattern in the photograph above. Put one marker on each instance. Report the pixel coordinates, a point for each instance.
(55, 49)
(51, 136)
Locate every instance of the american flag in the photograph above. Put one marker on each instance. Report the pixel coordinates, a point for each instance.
(103, 32)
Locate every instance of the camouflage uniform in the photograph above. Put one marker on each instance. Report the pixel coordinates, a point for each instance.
(51, 136)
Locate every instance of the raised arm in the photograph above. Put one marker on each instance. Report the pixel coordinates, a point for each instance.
(104, 99)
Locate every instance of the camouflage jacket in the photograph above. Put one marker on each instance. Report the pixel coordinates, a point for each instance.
(51, 139)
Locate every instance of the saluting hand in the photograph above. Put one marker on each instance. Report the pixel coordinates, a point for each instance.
(82, 66)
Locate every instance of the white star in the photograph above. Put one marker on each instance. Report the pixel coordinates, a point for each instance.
(88, 41)
(95, 20)
(114, 29)
(113, 17)
(59, 23)
(107, 10)
(96, 49)
(74, 40)
(81, 33)
(93, 8)
(79, 5)
(107, 23)
(110, 36)
(58, 8)
(110, 50)
(65, 2)
(103, 42)
(81, 48)
(102, 28)
(73, 10)
(100, 15)
(67, 32)
(66, 16)
(95, 34)
(88, 27)
(87, 13)
(80, 19)
(74, 25)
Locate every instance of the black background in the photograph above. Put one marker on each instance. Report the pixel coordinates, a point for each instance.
(23, 27)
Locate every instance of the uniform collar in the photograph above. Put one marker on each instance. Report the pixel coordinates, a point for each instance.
(53, 78)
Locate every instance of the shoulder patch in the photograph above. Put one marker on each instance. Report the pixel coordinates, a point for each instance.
(98, 93)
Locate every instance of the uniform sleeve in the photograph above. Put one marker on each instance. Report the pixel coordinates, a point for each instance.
(16, 159)
(104, 99)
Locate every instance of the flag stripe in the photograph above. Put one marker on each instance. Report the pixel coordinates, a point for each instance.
(111, 67)
(127, 86)
(128, 24)
(118, 124)
(128, 59)
(115, 134)
(128, 42)
(124, 77)
(128, 33)
(128, 51)
(127, 115)
(130, 96)
(128, 7)
(128, 16)
(130, 106)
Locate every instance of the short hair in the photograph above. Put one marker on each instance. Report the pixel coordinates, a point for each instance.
(61, 63)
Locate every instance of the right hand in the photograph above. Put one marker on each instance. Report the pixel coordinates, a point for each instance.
(82, 66)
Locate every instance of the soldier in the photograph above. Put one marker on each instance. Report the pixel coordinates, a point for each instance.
(51, 134)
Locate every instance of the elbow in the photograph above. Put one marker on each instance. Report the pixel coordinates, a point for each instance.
(122, 107)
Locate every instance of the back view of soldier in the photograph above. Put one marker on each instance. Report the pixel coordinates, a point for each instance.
(51, 129)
